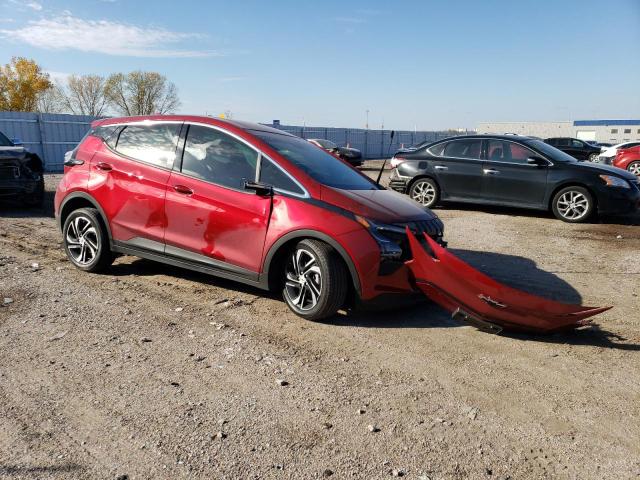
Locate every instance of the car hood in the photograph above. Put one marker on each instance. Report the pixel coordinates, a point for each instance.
(385, 206)
(12, 155)
(604, 169)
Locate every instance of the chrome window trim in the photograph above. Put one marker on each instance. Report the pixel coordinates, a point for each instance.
(226, 132)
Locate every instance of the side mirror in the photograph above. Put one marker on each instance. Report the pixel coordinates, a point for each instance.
(537, 161)
(260, 188)
(17, 142)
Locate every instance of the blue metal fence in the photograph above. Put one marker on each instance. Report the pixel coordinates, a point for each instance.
(51, 135)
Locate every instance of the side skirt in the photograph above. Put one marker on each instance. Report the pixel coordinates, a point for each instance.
(239, 275)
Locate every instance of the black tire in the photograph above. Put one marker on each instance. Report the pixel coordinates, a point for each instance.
(88, 223)
(634, 167)
(35, 198)
(425, 191)
(333, 281)
(573, 204)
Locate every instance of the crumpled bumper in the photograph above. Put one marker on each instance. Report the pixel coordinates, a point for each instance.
(477, 299)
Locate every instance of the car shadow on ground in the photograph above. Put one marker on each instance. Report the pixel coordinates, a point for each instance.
(630, 219)
(15, 209)
(515, 271)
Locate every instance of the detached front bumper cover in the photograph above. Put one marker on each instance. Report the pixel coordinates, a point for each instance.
(477, 299)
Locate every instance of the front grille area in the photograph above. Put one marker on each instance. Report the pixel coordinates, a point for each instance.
(9, 173)
(434, 228)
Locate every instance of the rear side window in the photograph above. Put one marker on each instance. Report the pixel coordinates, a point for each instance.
(437, 150)
(154, 144)
(502, 151)
(463, 149)
(214, 156)
(562, 142)
(272, 175)
(577, 144)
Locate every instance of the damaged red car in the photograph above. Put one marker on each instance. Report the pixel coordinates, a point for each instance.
(257, 205)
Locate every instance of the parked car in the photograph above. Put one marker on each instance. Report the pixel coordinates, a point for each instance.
(629, 159)
(514, 171)
(578, 149)
(20, 173)
(241, 201)
(608, 154)
(351, 155)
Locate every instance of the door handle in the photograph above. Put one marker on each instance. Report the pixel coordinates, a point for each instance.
(491, 171)
(105, 167)
(183, 190)
(441, 167)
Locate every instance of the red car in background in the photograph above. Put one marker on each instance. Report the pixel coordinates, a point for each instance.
(629, 159)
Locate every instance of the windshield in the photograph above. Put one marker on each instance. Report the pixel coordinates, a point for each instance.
(316, 163)
(552, 152)
(326, 144)
(4, 141)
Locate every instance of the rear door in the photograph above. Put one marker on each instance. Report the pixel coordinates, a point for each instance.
(458, 168)
(507, 176)
(211, 218)
(128, 177)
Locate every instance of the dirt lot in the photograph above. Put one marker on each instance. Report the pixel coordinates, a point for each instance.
(149, 371)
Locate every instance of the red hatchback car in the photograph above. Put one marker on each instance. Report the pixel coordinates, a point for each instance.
(629, 159)
(240, 201)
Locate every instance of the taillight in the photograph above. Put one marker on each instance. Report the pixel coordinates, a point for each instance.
(395, 161)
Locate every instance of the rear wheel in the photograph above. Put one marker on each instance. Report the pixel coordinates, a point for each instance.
(573, 204)
(86, 242)
(594, 158)
(315, 283)
(634, 167)
(425, 191)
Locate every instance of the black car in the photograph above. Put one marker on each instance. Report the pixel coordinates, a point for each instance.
(513, 171)
(20, 174)
(575, 147)
(351, 155)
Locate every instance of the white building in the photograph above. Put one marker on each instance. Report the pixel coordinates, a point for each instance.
(610, 131)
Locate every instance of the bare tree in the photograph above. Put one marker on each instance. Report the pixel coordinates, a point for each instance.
(84, 95)
(51, 100)
(141, 93)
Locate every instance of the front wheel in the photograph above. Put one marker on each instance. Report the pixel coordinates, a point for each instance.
(594, 157)
(573, 204)
(425, 191)
(634, 167)
(85, 240)
(315, 283)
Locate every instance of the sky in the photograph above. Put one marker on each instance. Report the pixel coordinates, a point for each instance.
(411, 64)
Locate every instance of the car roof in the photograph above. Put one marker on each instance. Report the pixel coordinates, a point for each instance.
(520, 138)
(241, 124)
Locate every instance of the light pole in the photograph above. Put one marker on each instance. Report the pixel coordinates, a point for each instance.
(367, 124)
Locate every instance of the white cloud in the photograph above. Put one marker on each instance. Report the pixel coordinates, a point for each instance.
(102, 36)
(34, 6)
(21, 5)
(58, 77)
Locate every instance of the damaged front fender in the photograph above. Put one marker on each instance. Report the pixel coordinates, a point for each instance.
(477, 299)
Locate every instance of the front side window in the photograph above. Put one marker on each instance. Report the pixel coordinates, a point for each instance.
(327, 144)
(503, 151)
(154, 144)
(274, 176)
(214, 156)
(577, 144)
(318, 164)
(463, 148)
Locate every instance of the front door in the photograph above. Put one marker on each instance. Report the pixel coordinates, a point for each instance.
(211, 218)
(458, 169)
(508, 177)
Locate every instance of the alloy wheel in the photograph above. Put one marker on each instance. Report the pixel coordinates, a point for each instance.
(573, 205)
(303, 283)
(82, 240)
(424, 193)
(635, 168)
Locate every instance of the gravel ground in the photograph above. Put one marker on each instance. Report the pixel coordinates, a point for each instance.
(149, 371)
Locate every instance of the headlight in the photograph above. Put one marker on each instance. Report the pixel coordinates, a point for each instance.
(388, 248)
(613, 181)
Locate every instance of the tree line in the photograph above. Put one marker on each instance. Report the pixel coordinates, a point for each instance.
(26, 87)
